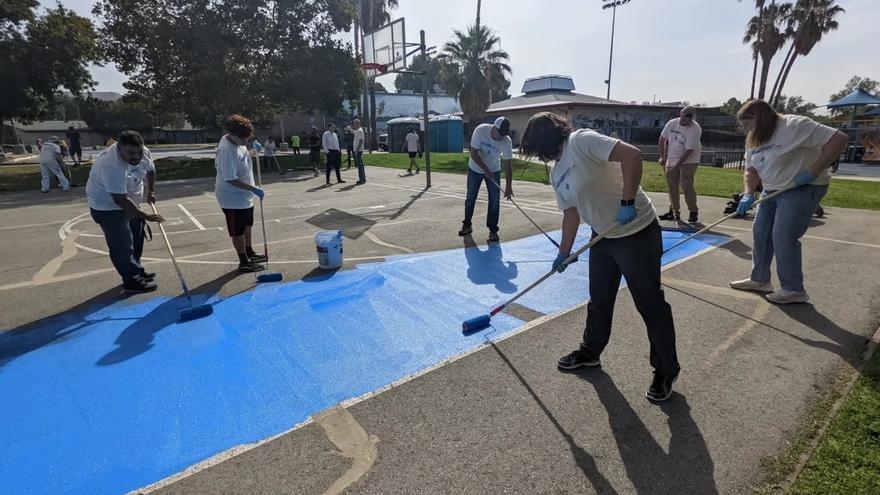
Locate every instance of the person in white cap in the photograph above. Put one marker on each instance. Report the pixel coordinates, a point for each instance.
(50, 164)
(490, 148)
(680, 151)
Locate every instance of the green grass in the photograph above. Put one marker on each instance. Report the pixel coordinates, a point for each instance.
(710, 181)
(847, 460)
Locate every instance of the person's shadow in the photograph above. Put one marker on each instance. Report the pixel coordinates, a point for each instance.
(487, 266)
(687, 468)
(137, 338)
(846, 344)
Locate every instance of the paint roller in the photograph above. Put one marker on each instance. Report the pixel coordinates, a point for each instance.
(265, 276)
(192, 312)
(483, 321)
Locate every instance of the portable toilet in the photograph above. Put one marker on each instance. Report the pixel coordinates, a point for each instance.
(397, 129)
(447, 133)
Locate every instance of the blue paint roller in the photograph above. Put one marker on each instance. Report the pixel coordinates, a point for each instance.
(724, 219)
(266, 276)
(480, 322)
(192, 312)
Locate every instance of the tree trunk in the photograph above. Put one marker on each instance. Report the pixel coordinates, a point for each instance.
(777, 92)
(754, 77)
(787, 70)
(757, 43)
(765, 70)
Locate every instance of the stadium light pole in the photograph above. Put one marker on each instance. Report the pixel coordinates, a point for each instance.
(611, 4)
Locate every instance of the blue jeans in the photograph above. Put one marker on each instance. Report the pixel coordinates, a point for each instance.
(779, 224)
(474, 180)
(117, 233)
(359, 163)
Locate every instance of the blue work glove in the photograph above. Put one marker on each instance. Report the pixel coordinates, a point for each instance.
(257, 146)
(259, 193)
(626, 214)
(744, 204)
(558, 263)
(804, 178)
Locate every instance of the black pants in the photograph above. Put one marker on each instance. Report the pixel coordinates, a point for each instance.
(296, 150)
(117, 234)
(334, 160)
(315, 157)
(138, 227)
(637, 258)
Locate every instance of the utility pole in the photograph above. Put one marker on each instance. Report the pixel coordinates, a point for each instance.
(611, 4)
(425, 110)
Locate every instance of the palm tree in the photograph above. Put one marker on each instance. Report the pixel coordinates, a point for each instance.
(759, 4)
(810, 21)
(472, 65)
(767, 35)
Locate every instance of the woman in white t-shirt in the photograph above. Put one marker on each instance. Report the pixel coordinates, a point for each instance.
(596, 178)
(783, 151)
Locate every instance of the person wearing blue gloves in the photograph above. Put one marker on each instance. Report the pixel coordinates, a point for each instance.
(783, 152)
(596, 178)
(235, 190)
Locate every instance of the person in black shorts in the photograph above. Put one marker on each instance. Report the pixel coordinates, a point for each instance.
(314, 144)
(75, 150)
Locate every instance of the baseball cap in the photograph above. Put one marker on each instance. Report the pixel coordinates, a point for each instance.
(502, 125)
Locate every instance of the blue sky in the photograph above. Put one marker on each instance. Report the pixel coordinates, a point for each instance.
(668, 50)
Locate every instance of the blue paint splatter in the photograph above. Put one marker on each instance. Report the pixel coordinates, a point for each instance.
(120, 396)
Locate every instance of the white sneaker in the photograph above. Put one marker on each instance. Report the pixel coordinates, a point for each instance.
(783, 296)
(749, 284)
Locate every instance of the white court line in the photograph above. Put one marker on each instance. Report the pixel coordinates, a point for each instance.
(460, 196)
(818, 238)
(29, 225)
(241, 449)
(191, 217)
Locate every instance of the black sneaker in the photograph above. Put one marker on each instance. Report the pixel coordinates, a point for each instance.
(148, 276)
(820, 212)
(493, 237)
(138, 286)
(661, 387)
(466, 229)
(577, 359)
(250, 267)
(257, 258)
(670, 215)
(693, 217)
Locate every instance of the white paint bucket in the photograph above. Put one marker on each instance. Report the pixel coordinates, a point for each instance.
(329, 244)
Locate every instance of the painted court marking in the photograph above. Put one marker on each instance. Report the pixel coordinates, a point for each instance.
(192, 218)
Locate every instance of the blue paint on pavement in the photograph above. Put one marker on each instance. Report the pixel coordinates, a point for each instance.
(120, 396)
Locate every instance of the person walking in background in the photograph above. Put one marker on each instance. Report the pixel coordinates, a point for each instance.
(490, 149)
(112, 207)
(75, 150)
(412, 145)
(269, 155)
(680, 151)
(348, 136)
(51, 162)
(596, 179)
(294, 143)
(314, 143)
(783, 151)
(330, 145)
(235, 189)
(358, 146)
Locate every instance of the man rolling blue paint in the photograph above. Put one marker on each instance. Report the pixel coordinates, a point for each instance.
(113, 209)
(490, 148)
(596, 178)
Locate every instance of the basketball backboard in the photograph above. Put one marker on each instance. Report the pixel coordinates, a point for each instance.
(386, 46)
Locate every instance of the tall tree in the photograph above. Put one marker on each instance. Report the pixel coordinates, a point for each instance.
(731, 106)
(208, 58)
(474, 64)
(766, 33)
(413, 82)
(795, 105)
(759, 5)
(810, 20)
(40, 56)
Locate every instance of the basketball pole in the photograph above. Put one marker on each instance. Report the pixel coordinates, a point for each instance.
(425, 111)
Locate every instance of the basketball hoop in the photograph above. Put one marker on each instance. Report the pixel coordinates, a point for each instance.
(372, 70)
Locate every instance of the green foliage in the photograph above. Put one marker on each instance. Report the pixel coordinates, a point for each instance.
(113, 117)
(414, 81)
(794, 105)
(855, 82)
(208, 58)
(731, 106)
(40, 55)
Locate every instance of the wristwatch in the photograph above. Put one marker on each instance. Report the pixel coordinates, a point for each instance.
(627, 202)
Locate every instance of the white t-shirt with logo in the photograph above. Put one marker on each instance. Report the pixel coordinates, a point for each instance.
(412, 142)
(679, 139)
(233, 162)
(49, 152)
(490, 150)
(110, 175)
(794, 147)
(136, 175)
(583, 178)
